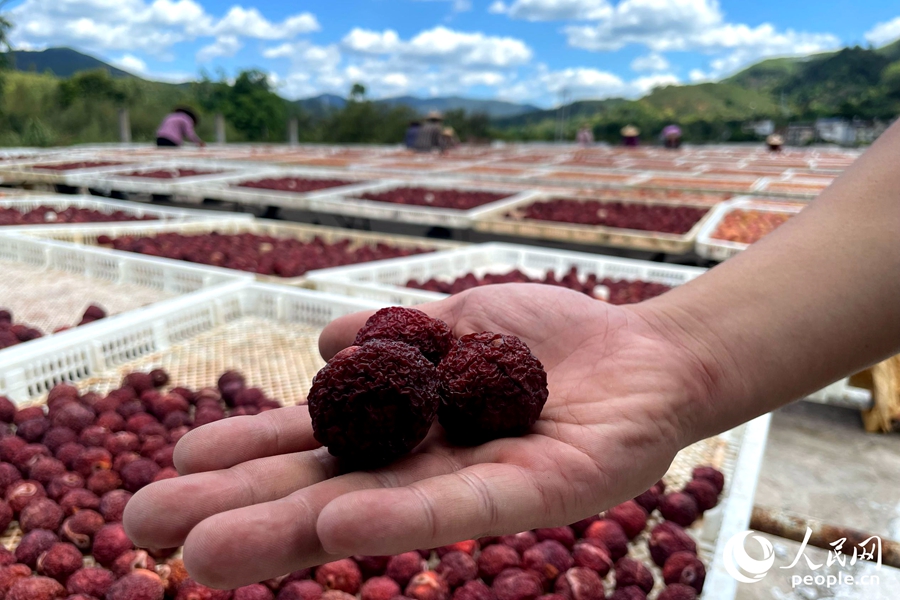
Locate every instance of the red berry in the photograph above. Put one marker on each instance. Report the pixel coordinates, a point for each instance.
(563, 535)
(495, 559)
(678, 592)
(60, 561)
(427, 585)
(633, 572)
(547, 559)
(342, 575)
(679, 508)
(431, 336)
(703, 492)
(685, 568)
(403, 567)
(139, 585)
(36, 588)
(516, 584)
(474, 590)
(579, 583)
(610, 534)
(379, 588)
(592, 556)
(457, 568)
(631, 516)
(666, 539)
(712, 475)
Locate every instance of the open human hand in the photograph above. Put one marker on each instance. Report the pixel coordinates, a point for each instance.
(259, 497)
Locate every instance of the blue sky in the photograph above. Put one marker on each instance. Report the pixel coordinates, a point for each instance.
(537, 51)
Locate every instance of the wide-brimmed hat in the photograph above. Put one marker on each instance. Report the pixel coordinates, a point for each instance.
(631, 131)
(775, 140)
(435, 116)
(189, 112)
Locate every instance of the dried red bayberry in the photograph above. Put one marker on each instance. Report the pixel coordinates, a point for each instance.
(492, 386)
(431, 336)
(375, 402)
(685, 568)
(679, 508)
(703, 492)
(712, 475)
(631, 516)
(633, 572)
(666, 539)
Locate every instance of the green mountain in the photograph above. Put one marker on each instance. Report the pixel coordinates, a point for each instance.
(62, 62)
(495, 109)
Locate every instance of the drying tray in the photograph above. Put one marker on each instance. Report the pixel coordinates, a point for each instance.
(256, 226)
(230, 191)
(49, 284)
(715, 249)
(268, 332)
(347, 203)
(28, 172)
(164, 215)
(385, 281)
(496, 221)
(698, 183)
(119, 180)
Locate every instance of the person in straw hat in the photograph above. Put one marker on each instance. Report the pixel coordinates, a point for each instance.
(775, 142)
(630, 135)
(430, 133)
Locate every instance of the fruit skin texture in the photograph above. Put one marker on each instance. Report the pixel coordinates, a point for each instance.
(679, 508)
(36, 588)
(516, 584)
(520, 542)
(495, 559)
(685, 568)
(372, 566)
(112, 504)
(592, 556)
(712, 475)
(110, 543)
(474, 590)
(547, 559)
(492, 386)
(379, 588)
(432, 337)
(33, 544)
(579, 583)
(632, 592)
(633, 572)
(649, 500)
(678, 592)
(427, 585)
(301, 590)
(611, 535)
(60, 561)
(90, 581)
(403, 567)
(6, 515)
(668, 538)
(375, 402)
(342, 575)
(563, 535)
(457, 568)
(10, 575)
(140, 585)
(80, 528)
(253, 592)
(703, 492)
(631, 516)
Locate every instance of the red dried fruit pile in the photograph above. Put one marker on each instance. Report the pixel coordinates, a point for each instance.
(169, 173)
(72, 166)
(45, 215)
(264, 254)
(12, 334)
(68, 469)
(620, 291)
(642, 217)
(376, 401)
(455, 199)
(749, 226)
(297, 185)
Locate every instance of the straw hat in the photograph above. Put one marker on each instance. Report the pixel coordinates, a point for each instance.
(435, 116)
(630, 131)
(775, 140)
(448, 131)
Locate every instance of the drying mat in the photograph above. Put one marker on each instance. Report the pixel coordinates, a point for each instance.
(279, 358)
(49, 298)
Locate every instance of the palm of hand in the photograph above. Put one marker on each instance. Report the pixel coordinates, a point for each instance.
(264, 500)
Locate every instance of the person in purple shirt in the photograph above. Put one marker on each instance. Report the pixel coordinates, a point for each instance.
(176, 127)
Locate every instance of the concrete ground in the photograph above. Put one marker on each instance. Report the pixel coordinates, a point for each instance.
(820, 463)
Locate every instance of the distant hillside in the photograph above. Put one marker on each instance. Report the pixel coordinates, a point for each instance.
(62, 62)
(495, 109)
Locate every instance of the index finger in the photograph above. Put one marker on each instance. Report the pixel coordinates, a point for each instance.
(341, 332)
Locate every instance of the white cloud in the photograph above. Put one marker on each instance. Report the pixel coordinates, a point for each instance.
(580, 83)
(441, 45)
(646, 84)
(553, 10)
(250, 23)
(692, 25)
(650, 62)
(151, 27)
(132, 64)
(697, 75)
(225, 45)
(884, 33)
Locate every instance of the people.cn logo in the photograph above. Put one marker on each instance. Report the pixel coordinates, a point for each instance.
(739, 564)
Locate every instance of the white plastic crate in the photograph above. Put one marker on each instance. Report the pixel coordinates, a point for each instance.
(103, 346)
(714, 249)
(231, 191)
(496, 221)
(385, 281)
(235, 226)
(119, 180)
(164, 215)
(30, 171)
(347, 203)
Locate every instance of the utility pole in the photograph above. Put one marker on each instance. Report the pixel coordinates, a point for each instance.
(220, 128)
(124, 126)
(294, 131)
(562, 115)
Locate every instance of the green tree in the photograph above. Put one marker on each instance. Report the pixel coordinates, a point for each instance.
(358, 92)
